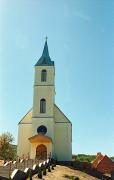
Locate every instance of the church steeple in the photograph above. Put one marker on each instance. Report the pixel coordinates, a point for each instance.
(45, 59)
(45, 50)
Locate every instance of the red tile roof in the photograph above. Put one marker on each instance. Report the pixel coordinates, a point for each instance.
(103, 163)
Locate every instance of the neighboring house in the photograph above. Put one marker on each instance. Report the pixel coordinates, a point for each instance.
(103, 164)
(45, 131)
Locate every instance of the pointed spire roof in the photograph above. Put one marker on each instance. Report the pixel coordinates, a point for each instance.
(45, 59)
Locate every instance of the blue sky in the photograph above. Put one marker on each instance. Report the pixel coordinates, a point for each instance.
(81, 42)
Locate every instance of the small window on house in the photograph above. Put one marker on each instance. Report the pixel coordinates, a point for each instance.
(42, 106)
(43, 75)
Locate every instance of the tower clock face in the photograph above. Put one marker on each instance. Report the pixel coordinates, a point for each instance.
(42, 129)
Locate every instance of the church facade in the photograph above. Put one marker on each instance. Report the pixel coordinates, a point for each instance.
(45, 131)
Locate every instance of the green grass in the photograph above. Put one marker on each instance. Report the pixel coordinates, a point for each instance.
(71, 177)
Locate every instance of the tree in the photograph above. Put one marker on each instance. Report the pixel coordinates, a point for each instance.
(84, 157)
(6, 148)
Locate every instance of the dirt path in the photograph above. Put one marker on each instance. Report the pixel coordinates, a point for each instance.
(60, 171)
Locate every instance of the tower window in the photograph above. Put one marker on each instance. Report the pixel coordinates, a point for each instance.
(43, 75)
(42, 106)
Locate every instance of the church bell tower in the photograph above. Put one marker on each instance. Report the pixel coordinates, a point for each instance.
(44, 86)
(44, 97)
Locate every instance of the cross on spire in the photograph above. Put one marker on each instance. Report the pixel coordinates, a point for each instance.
(46, 38)
(45, 58)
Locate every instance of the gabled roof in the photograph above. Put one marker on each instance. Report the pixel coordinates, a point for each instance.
(58, 115)
(63, 118)
(104, 160)
(27, 118)
(99, 157)
(45, 59)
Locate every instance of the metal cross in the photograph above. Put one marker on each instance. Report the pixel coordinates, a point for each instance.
(46, 38)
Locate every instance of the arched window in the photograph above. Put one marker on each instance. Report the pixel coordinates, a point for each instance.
(43, 75)
(42, 106)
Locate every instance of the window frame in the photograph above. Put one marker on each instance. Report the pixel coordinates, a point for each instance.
(43, 75)
(42, 105)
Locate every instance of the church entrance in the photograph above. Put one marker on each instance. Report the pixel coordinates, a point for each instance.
(41, 152)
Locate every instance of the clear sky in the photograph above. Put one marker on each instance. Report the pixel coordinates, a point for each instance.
(81, 42)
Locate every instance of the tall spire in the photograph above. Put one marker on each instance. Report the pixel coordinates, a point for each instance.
(45, 50)
(45, 58)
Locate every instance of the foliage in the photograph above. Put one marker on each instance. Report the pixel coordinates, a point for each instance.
(84, 157)
(15, 150)
(6, 149)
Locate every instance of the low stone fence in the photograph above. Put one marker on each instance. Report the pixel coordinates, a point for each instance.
(40, 169)
(85, 167)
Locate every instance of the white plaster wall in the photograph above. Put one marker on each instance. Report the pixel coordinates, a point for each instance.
(27, 118)
(63, 143)
(59, 116)
(46, 92)
(24, 132)
(63, 136)
(50, 75)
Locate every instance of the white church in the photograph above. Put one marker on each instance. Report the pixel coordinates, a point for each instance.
(45, 131)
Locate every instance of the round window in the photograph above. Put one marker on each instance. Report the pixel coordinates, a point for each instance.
(42, 129)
